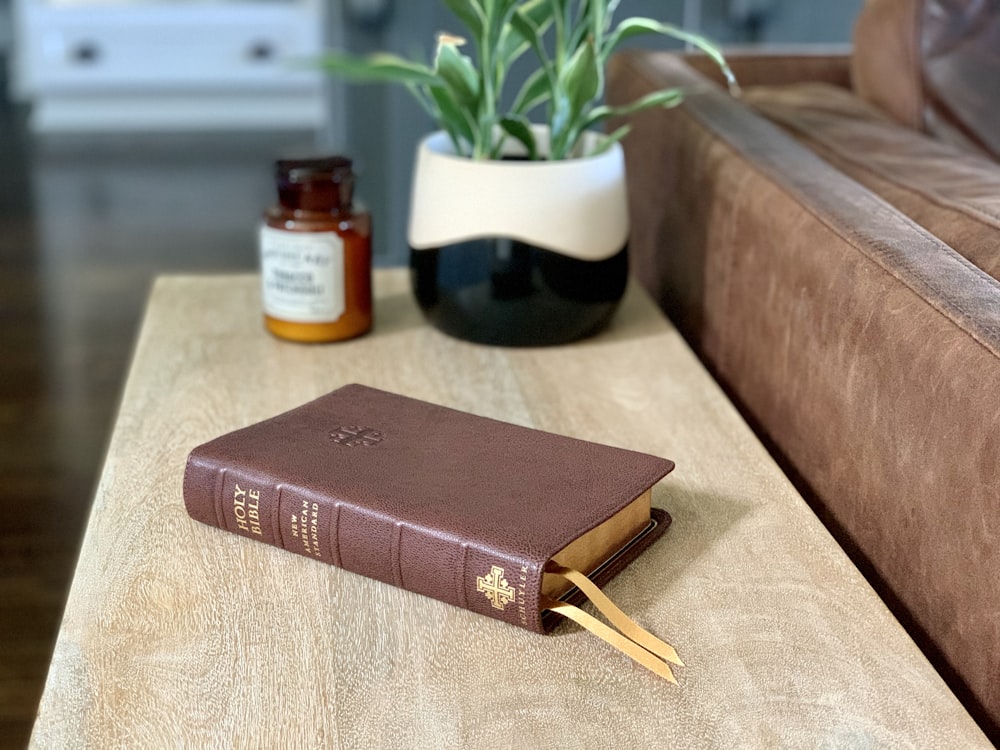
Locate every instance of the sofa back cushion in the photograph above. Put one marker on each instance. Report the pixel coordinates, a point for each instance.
(933, 65)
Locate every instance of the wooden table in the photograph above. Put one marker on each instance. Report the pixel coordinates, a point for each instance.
(180, 635)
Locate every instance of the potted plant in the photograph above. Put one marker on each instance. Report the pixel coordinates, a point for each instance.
(518, 223)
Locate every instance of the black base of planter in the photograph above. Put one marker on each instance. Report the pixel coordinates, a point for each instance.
(508, 293)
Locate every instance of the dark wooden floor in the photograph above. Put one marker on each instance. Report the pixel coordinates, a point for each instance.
(85, 224)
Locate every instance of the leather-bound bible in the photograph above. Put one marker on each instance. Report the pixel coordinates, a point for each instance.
(507, 521)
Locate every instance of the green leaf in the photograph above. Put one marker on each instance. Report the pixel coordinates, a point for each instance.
(665, 98)
(513, 41)
(596, 15)
(559, 114)
(560, 9)
(534, 91)
(586, 23)
(512, 45)
(459, 73)
(470, 14)
(519, 128)
(498, 8)
(498, 16)
(610, 140)
(380, 67)
(536, 11)
(581, 78)
(522, 23)
(632, 27)
(560, 123)
(455, 119)
(602, 14)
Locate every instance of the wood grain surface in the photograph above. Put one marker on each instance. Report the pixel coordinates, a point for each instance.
(180, 635)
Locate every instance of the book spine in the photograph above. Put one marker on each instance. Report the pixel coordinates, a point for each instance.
(352, 537)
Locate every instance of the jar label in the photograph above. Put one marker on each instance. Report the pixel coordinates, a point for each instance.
(302, 274)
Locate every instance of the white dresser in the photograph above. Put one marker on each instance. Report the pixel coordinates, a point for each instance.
(169, 64)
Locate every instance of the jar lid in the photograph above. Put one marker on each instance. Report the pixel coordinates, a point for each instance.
(334, 168)
(316, 184)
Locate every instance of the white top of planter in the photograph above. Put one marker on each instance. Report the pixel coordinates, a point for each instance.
(576, 207)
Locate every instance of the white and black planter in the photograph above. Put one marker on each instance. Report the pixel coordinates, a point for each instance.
(515, 252)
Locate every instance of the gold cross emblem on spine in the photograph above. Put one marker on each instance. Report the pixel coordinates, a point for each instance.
(496, 588)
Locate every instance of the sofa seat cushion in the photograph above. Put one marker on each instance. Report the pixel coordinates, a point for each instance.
(933, 65)
(953, 194)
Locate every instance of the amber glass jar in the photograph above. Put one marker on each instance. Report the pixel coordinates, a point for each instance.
(315, 254)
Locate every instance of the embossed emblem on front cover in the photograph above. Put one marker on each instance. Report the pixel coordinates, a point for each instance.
(495, 587)
(352, 437)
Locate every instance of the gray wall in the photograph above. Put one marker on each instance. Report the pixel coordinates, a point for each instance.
(6, 30)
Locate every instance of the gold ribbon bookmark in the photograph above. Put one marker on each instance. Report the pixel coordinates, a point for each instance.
(632, 640)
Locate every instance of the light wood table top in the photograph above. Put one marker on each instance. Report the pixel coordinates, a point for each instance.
(180, 635)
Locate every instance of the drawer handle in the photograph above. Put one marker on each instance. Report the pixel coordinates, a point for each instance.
(261, 51)
(85, 53)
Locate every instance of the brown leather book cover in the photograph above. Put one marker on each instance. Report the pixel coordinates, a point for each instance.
(462, 508)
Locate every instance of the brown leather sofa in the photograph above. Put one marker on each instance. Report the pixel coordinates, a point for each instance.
(829, 243)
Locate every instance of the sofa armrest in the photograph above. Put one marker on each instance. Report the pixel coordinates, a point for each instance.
(778, 66)
(865, 351)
